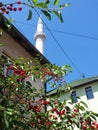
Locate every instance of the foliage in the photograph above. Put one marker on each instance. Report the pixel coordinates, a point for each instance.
(43, 7)
(24, 107)
(36, 6)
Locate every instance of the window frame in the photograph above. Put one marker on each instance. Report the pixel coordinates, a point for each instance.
(74, 97)
(89, 92)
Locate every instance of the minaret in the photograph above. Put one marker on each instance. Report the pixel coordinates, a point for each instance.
(40, 36)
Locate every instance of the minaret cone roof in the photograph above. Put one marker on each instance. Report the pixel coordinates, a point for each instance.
(40, 21)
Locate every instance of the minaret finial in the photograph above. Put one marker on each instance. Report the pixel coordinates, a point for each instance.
(40, 36)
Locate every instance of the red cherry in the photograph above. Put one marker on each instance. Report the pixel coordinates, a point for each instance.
(96, 125)
(11, 5)
(75, 110)
(3, 9)
(84, 127)
(20, 8)
(10, 8)
(14, 9)
(11, 67)
(19, 2)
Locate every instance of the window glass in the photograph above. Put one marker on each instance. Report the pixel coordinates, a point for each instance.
(74, 97)
(89, 93)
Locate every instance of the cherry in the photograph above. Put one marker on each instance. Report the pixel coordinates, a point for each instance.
(11, 5)
(84, 127)
(96, 125)
(19, 2)
(20, 8)
(14, 9)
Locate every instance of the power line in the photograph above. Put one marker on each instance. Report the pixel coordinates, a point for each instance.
(69, 33)
(63, 32)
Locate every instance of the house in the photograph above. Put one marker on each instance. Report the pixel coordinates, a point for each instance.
(16, 45)
(86, 89)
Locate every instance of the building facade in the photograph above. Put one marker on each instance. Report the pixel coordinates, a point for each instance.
(86, 89)
(15, 45)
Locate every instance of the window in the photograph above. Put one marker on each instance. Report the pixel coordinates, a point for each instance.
(89, 93)
(4, 61)
(74, 97)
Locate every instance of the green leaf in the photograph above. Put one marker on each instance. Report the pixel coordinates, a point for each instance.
(47, 1)
(0, 31)
(56, 2)
(96, 114)
(61, 18)
(6, 121)
(64, 5)
(46, 13)
(8, 23)
(93, 116)
(29, 15)
(28, 84)
(35, 1)
(42, 5)
(84, 104)
(58, 14)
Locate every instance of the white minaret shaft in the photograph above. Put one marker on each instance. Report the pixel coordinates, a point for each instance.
(40, 36)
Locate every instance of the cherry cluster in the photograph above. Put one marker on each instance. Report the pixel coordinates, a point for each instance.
(6, 8)
(20, 73)
(85, 125)
(37, 107)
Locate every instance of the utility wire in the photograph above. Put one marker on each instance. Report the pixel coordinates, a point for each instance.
(63, 32)
(66, 55)
(69, 33)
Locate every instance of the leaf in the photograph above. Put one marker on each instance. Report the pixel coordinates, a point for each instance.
(0, 31)
(47, 1)
(56, 2)
(8, 23)
(29, 15)
(93, 116)
(47, 14)
(86, 115)
(84, 104)
(61, 18)
(6, 121)
(35, 1)
(28, 84)
(64, 5)
(41, 5)
(96, 114)
(58, 14)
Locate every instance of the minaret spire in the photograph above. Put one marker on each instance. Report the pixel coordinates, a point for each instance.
(40, 36)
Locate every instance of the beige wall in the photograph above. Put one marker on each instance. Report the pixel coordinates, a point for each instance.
(92, 103)
(12, 48)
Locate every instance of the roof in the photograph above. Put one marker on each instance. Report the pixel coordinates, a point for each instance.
(18, 36)
(76, 83)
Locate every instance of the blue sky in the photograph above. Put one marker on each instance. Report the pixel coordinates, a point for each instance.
(81, 18)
